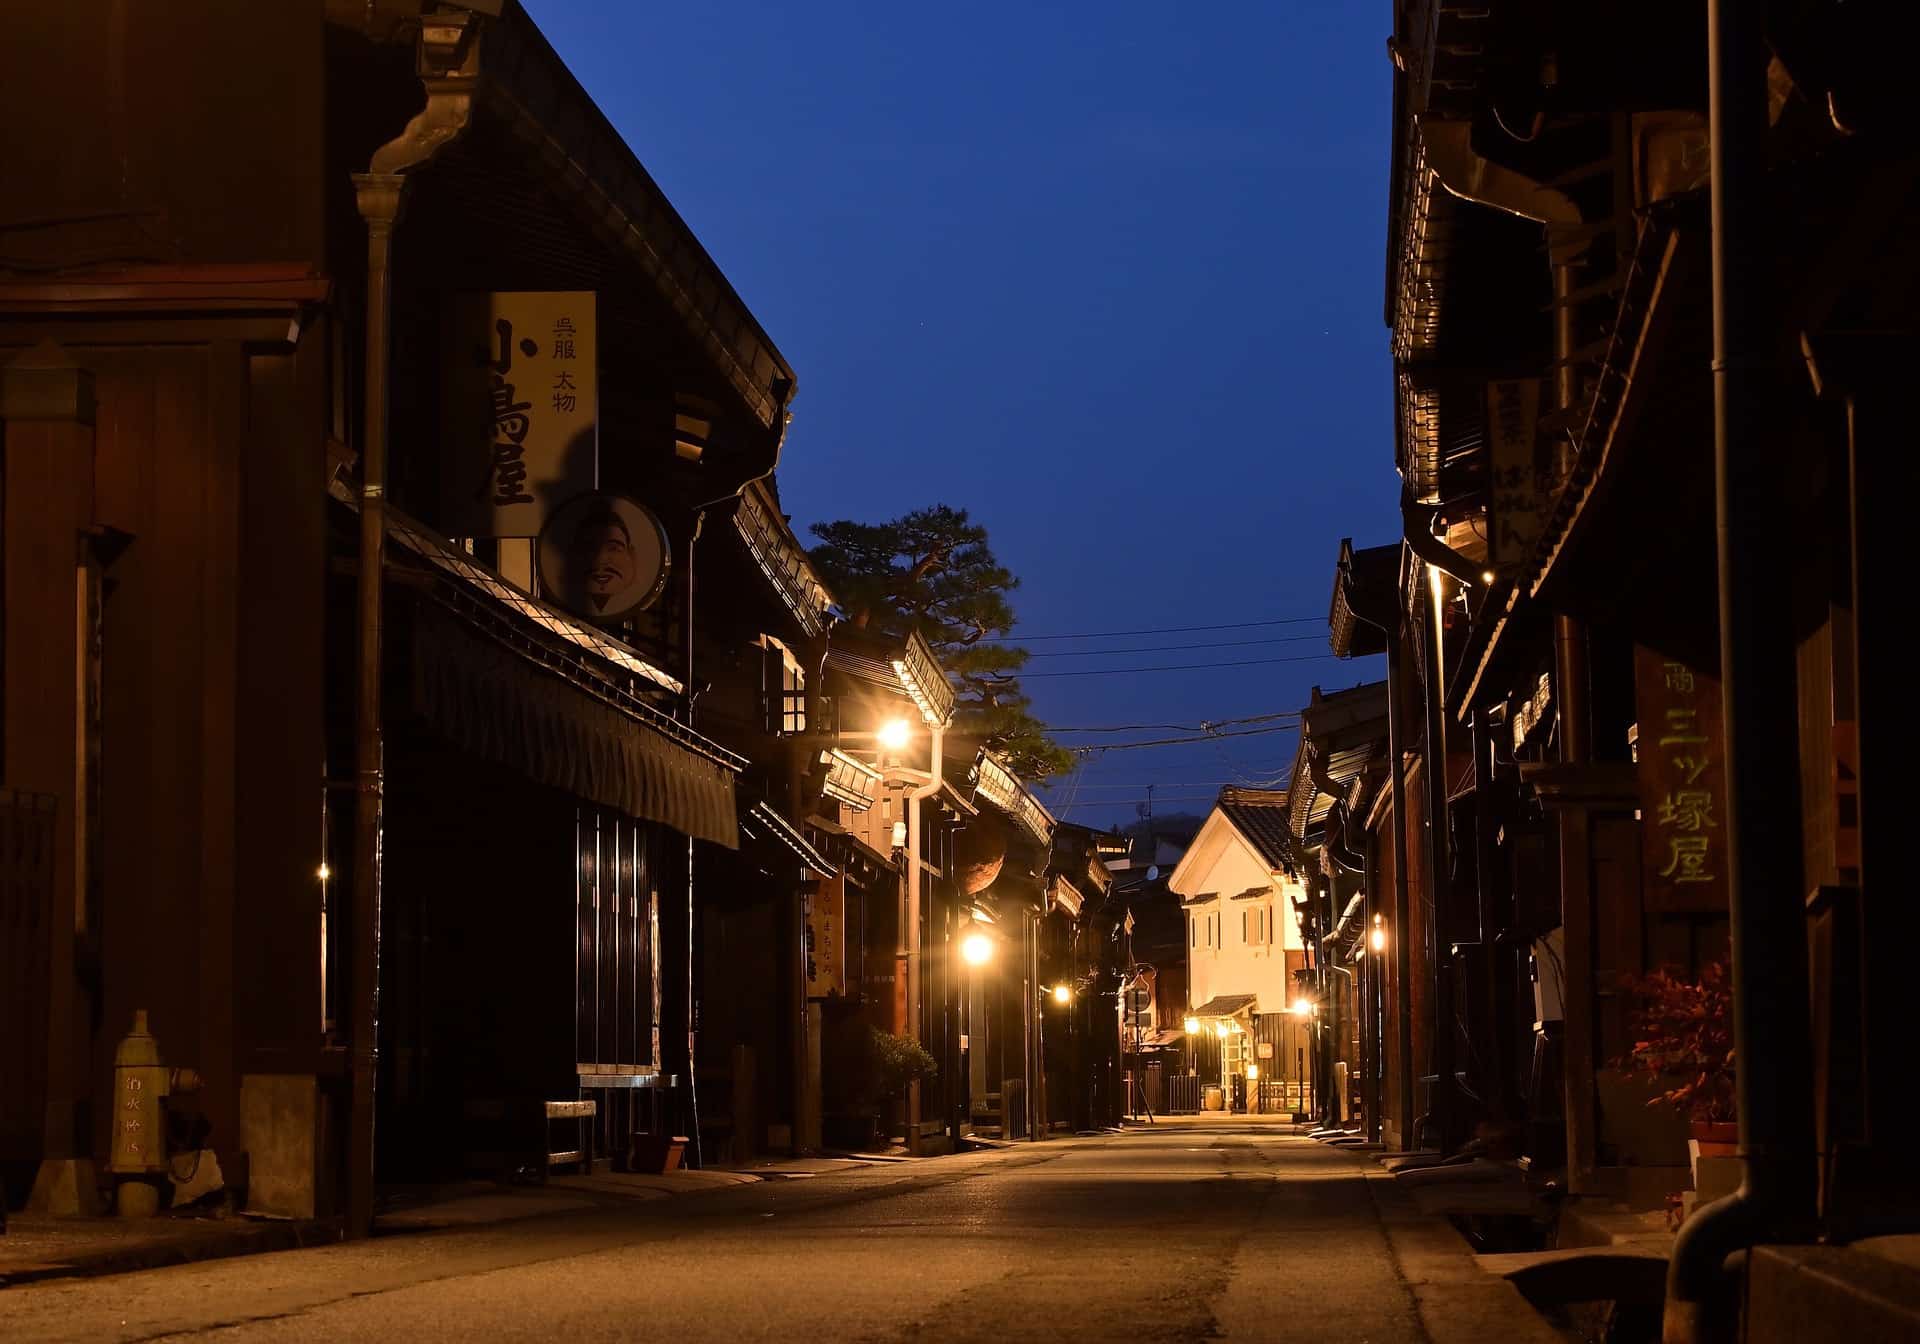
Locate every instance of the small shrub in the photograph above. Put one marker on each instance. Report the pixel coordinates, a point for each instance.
(1683, 1040)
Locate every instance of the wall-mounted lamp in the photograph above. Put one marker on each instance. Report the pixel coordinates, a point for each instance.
(976, 949)
(1377, 940)
(1302, 1007)
(1061, 994)
(1193, 1026)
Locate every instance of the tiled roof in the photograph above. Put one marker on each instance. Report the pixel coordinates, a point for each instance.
(1225, 1005)
(1260, 815)
(1365, 586)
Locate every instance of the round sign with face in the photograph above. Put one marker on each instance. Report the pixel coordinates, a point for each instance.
(602, 557)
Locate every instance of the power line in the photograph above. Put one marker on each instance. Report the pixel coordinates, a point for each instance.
(1163, 630)
(1157, 798)
(1160, 784)
(1175, 648)
(1179, 667)
(1205, 725)
(1181, 741)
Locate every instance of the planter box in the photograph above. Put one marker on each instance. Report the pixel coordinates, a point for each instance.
(657, 1153)
(1716, 1177)
(856, 1133)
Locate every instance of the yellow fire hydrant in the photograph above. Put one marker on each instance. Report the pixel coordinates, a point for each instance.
(141, 1084)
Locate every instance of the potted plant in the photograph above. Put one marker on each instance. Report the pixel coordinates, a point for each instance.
(868, 1071)
(899, 1062)
(1683, 1043)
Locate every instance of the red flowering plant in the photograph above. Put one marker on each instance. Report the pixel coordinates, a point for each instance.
(1683, 1040)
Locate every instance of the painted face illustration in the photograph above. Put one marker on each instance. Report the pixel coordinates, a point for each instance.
(602, 558)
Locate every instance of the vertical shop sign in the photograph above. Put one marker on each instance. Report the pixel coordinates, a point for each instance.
(826, 951)
(1682, 776)
(1520, 493)
(520, 414)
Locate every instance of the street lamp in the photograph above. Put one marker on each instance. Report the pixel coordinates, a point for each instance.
(1193, 1026)
(1302, 1007)
(1221, 1029)
(976, 949)
(1378, 938)
(894, 734)
(1062, 995)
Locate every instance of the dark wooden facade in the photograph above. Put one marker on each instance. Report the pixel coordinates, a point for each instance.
(1561, 799)
(184, 323)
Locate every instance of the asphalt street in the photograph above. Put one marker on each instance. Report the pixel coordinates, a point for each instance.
(1182, 1232)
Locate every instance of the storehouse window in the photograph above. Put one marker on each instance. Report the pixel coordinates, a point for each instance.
(784, 689)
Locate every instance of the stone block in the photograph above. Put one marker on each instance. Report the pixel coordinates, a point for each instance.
(66, 1186)
(282, 1130)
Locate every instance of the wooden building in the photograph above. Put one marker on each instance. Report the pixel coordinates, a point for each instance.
(1644, 325)
(284, 703)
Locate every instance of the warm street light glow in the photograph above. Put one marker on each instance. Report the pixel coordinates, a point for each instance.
(1193, 1026)
(894, 734)
(1487, 577)
(1253, 1073)
(1220, 1029)
(1378, 939)
(1061, 994)
(1301, 1007)
(325, 872)
(976, 948)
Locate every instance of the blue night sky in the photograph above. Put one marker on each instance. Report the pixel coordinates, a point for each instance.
(1107, 276)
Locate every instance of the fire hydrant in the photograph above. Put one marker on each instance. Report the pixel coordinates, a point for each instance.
(141, 1084)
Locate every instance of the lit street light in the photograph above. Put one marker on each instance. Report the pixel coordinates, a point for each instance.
(1061, 994)
(1193, 1026)
(894, 734)
(977, 949)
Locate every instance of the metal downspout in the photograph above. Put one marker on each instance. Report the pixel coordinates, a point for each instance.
(1445, 1105)
(915, 798)
(689, 697)
(1770, 984)
(448, 56)
(1416, 525)
(1402, 954)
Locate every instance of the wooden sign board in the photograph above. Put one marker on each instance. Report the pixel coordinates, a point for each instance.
(1682, 775)
(1521, 494)
(826, 947)
(520, 418)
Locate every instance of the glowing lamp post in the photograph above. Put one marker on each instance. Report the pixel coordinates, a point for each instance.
(894, 734)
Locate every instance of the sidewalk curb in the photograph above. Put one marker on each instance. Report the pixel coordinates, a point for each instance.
(252, 1238)
(1458, 1301)
(261, 1237)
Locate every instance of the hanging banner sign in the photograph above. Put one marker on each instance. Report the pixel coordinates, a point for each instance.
(603, 557)
(520, 409)
(1520, 495)
(826, 950)
(1682, 772)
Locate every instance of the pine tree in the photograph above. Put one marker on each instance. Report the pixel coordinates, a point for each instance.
(932, 571)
